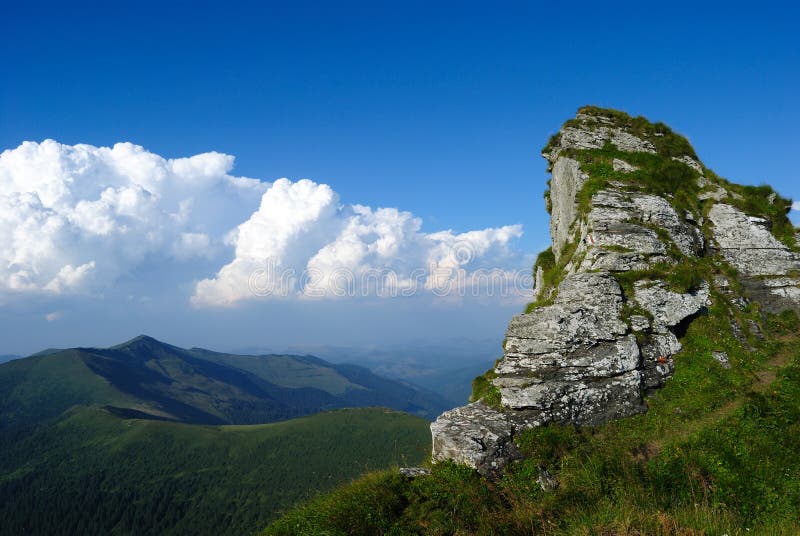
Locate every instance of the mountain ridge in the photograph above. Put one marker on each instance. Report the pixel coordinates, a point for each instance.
(196, 386)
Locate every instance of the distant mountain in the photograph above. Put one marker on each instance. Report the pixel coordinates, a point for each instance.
(146, 378)
(446, 367)
(8, 357)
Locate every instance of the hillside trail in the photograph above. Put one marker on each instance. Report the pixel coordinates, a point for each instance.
(764, 378)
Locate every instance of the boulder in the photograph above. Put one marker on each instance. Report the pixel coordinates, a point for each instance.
(623, 166)
(475, 435)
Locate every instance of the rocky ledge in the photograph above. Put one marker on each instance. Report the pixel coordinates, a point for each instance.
(605, 334)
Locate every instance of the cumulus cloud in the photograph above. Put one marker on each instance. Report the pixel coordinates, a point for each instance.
(796, 205)
(79, 219)
(302, 242)
(74, 219)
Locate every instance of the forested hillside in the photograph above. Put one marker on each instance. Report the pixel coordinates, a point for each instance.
(97, 473)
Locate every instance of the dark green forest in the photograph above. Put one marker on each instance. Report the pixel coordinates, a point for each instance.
(97, 473)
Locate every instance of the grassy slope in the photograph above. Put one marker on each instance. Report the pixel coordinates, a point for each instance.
(287, 371)
(718, 452)
(94, 473)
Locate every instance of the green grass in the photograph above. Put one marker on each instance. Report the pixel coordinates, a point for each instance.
(94, 473)
(291, 371)
(483, 388)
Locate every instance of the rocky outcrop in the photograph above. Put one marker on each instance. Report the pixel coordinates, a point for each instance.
(573, 361)
(621, 232)
(593, 351)
(771, 270)
(593, 132)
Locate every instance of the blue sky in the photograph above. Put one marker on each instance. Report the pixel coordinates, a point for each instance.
(438, 109)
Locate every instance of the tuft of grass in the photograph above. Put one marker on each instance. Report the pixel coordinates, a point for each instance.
(483, 388)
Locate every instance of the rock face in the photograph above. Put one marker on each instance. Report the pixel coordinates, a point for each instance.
(771, 271)
(573, 361)
(568, 179)
(607, 334)
(621, 232)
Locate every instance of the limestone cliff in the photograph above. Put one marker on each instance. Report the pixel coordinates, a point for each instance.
(643, 237)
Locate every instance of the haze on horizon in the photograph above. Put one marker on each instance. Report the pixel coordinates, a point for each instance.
(164, 167)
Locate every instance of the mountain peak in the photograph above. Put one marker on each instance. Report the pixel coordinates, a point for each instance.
(141, 342)
(597, 128)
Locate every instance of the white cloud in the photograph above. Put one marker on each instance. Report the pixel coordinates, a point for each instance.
(303, 243)
(74, 219)
(796, 205)
(79, 219)
(52, 317)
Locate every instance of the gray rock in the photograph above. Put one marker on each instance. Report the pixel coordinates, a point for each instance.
(573, 361)
(578, 360)
(747, 243)
(769, 267)
(586, 310)
(657, 362)
(546, 480)
(738, 334)
(775, 294)
(722, 283)
(475, 435)
(717, 193)
(584, 138)
(691, 162)
(639, 323)
(722, 359)
(755, 329)
(567, 180)
(594, 400)
(593, 132)
(414, 472)
(623, 166)
(667, 307)
(618, 236)
(538, 282)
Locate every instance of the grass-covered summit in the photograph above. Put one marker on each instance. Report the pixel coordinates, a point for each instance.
(653, 387)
